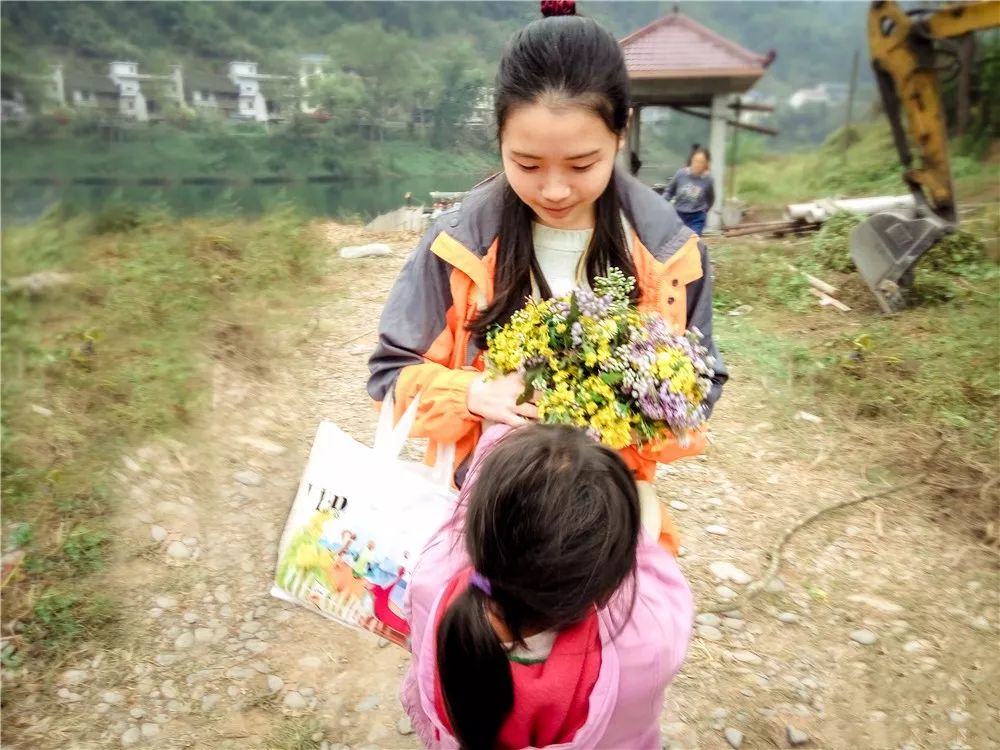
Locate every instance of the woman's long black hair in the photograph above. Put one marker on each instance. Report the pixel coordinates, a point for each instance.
(569, 60)
(553, 524)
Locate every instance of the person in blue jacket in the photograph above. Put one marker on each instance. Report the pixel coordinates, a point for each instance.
(692, 190)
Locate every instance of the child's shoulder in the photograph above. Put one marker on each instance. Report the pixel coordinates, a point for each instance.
(663, 610)
(660, 584)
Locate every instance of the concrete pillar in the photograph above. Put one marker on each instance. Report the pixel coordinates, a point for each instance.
(59, 85)
(717, 145)
(177, 73)
(632, 142)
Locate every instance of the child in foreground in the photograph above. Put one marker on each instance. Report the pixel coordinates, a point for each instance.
(544, 613)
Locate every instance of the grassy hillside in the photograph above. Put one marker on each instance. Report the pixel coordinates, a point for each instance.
(815, 40)
(869, 167)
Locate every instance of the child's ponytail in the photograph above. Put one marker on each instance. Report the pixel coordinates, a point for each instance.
(475, 675)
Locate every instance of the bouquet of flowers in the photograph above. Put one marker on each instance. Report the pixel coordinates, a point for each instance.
(599, 363)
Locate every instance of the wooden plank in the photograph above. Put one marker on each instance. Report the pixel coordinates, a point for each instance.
(814, 282)
(732, 123)
(827, 300)
(777, 226)
(751, 107)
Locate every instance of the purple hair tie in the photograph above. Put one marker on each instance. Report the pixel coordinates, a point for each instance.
(481, 582)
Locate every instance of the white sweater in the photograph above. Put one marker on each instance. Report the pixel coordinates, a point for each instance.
(558, 252)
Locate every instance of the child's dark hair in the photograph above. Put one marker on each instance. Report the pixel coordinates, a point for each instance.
(697, 148)
(552, 524)
(563, 60)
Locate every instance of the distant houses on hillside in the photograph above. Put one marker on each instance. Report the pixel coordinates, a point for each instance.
(241, 93)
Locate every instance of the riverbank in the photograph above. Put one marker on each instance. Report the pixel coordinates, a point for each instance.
(165, 153)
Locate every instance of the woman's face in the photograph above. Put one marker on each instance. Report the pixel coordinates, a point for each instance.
(699, 164)
(558, 160)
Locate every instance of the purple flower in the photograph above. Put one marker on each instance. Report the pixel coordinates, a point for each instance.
(591, 305)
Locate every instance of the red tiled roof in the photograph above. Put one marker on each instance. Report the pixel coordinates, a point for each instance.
(681, 45)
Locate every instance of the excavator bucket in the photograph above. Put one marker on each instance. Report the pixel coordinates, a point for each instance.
(887, 246)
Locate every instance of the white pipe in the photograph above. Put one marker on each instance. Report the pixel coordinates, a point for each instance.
(818, 211)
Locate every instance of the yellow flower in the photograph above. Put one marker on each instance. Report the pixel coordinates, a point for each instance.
(571, 389)
(684, 383)
(615, 432)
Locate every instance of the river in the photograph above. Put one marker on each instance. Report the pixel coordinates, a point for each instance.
(25, 202)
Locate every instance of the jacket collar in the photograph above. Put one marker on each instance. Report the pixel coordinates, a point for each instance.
(475, 224)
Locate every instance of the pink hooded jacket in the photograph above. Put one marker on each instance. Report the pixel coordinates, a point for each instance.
(639, 657)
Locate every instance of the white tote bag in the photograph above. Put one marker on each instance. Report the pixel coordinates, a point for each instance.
(360, 518)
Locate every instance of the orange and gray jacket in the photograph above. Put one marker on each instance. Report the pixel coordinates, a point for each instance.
(424, 347)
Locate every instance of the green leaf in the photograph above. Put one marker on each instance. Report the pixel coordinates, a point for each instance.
(525, 397)
(574, 311)
(613, 378)
(529, 379)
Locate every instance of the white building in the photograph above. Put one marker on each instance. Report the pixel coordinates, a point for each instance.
(82, 90)
(131, 101)
(250, 102)
(753, 116)
(238, 95)
(823, 93)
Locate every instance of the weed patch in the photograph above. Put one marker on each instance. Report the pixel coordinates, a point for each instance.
(120, 354)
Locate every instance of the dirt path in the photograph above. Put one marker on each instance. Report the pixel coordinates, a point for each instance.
(209, 660)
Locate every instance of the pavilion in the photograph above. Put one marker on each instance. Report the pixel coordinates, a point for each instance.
(679, 63)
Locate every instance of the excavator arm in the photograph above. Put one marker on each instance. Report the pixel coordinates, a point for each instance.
(886, 247)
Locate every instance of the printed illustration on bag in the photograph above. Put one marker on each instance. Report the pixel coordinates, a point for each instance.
(345, 572)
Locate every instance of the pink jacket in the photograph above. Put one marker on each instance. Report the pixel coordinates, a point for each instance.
(639, 656)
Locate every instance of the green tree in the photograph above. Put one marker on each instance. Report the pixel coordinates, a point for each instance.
(20, 68)
(340, 96)
(385, 63)
(459, 83)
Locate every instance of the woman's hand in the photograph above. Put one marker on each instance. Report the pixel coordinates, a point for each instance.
(495, 400)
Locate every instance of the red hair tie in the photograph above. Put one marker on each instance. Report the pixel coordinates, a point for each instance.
(558, 8)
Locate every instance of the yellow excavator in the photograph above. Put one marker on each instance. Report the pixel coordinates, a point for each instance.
(887, 246)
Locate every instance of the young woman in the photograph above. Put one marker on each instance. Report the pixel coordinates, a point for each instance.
(559, 215)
